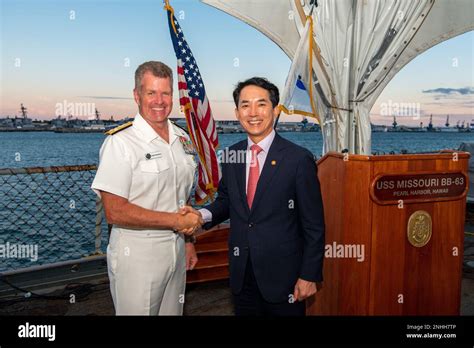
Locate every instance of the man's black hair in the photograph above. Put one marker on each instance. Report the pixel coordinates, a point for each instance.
(259, 82)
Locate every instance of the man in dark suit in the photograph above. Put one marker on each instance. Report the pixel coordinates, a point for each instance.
(273, 200)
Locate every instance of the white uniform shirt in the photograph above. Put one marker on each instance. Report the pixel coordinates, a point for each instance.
(137, 164)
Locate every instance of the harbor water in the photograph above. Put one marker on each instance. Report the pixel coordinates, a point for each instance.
(61, 226)
(32, 149)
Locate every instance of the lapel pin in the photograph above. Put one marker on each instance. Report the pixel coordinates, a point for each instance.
(274, 163)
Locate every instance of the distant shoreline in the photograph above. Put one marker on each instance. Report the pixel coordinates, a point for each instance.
(25, 130)
(54, 131)
(78, 131)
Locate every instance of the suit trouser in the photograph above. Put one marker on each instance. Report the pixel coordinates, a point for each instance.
(250, 301)
(147, 272)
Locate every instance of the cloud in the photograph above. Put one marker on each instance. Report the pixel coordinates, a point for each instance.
(450, 91)
(455, 103)
(102, 97)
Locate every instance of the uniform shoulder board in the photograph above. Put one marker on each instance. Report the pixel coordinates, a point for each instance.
(119, 128)
(182, 128)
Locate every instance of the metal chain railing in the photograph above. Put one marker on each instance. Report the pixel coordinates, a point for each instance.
(49, 214)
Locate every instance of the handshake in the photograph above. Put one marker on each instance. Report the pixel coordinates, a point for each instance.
(189, 220)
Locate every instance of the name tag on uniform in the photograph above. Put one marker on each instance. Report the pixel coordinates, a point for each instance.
(187, 146)
(153, 155)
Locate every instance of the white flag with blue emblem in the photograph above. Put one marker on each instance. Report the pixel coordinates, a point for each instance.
(297, 94)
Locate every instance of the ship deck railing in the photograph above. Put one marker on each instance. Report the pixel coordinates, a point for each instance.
(50, 221)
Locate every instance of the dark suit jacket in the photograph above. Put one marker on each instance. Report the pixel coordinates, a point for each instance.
(284, 230)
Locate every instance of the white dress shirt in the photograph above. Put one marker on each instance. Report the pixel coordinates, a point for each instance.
(261, 157)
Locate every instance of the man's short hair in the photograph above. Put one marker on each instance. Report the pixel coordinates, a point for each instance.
(158, 69)
(259, 82)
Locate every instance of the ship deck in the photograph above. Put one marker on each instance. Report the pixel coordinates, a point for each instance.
(92, 295)
(212, 298)
(93, 298)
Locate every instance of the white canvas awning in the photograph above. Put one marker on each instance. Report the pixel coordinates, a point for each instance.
(361, 45)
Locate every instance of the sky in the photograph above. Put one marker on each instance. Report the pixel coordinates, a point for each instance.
(83, 53)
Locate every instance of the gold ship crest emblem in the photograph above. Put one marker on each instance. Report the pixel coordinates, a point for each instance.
(419, 228)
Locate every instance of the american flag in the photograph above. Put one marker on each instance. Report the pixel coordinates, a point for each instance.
(194, 103)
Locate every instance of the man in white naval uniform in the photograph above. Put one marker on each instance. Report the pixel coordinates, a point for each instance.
(145, 175)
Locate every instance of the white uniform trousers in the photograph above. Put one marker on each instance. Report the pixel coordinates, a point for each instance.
(147, 272)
